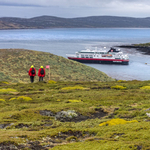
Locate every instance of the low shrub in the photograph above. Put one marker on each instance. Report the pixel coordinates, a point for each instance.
(71, 138)
(73, 88)
(5, 82)
(12, 99)
(74, 101)
(116, 121)
(121, 81)
(118, 87)
(8, 90)
(52, 82)
(145, 88)
(2, 100)
(24, 98)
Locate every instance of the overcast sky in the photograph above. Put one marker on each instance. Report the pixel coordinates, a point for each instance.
(74, 8)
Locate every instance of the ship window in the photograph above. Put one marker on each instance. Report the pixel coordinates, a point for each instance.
(103, 53)
(91, 56)
(86, 56)
(88, 52)
(82, 56)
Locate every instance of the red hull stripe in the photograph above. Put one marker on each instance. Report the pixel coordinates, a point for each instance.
(98, 59)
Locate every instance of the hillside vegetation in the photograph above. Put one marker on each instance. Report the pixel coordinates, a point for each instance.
(16, 62)
(75, 115)
(45, 22)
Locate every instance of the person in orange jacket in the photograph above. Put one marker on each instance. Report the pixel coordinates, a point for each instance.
(32, 73)
(41, 73)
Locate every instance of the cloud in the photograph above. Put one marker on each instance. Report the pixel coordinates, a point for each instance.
(74, 3)
(75, 8)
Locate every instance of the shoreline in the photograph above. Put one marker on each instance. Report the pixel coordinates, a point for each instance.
(144, 49)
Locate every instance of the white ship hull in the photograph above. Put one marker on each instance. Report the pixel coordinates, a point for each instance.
(100, 60)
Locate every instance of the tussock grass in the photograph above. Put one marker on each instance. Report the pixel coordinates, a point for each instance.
(16, 62)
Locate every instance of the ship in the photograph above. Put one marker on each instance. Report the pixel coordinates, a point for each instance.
(102, 56)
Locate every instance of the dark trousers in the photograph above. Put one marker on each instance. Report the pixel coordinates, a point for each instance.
(32, 79)
(40, 78)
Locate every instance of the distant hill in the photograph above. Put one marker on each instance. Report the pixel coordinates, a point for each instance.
(16, 62)
(45, 22)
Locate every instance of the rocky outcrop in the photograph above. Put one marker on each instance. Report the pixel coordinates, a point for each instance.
(72, 115)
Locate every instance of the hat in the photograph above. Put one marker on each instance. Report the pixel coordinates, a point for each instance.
(32, 66)
(41, 67)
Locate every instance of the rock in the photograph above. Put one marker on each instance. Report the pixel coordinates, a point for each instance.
(46, 113)
(48, 124)
(36, 146)
(21, 125)
(147, 109)
(72, 115)
(66, 114)
(148, 114)
(7, 146)
(2, 126)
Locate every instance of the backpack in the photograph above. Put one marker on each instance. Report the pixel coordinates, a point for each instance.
(42, 71)
(32, 71)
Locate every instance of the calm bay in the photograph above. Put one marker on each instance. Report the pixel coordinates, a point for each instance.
(67, 41)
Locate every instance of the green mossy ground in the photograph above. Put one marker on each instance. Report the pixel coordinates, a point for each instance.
(129, 104)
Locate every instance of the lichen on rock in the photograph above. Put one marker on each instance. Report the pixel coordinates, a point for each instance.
(66, 114)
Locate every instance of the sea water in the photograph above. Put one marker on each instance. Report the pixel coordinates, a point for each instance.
(67, 41)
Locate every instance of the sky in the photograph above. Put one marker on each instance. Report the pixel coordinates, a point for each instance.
(74, 8)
